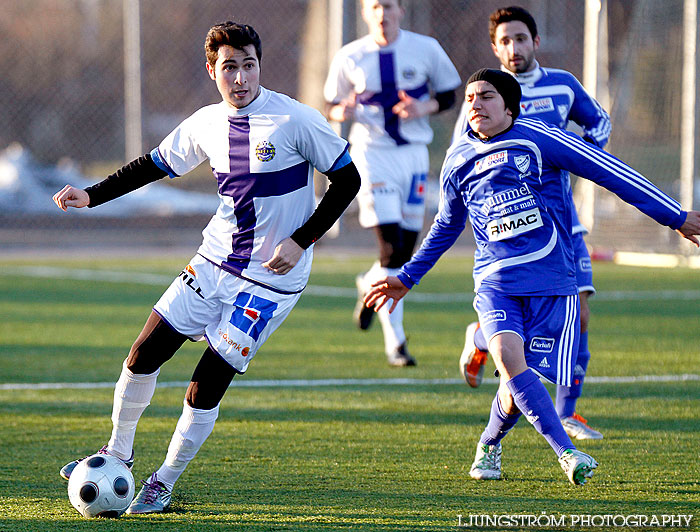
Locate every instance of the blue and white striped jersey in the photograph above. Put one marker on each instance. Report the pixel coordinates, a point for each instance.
(414, 63)
(263, 157)
(556, 97)
(512, 187)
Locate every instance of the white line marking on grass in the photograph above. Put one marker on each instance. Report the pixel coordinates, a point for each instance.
(311, 383)
(154, 279)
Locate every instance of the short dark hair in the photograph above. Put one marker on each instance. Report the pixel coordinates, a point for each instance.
(508, 14)
(232, 34)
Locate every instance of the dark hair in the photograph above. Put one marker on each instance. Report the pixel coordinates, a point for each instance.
(505, 84)
(508, 14)
(232, 34)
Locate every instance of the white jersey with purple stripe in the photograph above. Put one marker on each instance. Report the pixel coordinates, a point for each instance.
(414, 63)
(263, 157)
(512, 188)
(556, 97)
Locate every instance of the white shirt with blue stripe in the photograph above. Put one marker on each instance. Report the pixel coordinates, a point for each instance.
(414, 63)
(263, 158)
(513, 189)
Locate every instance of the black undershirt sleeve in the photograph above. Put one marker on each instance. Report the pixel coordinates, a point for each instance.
(445, 100)
(344, 186)
(136, 174)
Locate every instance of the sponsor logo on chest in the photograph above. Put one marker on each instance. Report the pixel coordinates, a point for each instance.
(515, 224)
(539, 105)
(491, 160)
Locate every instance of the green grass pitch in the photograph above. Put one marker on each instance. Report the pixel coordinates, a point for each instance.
(365, 457)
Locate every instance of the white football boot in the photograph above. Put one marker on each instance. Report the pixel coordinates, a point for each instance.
(577, 427)
(487, 462)
(577, 465)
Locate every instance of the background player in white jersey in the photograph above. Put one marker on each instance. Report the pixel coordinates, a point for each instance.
(556, 97)
(387, 83)
(507, 176)
(256, 253)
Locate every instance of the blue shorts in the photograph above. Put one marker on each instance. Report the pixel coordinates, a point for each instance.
(548, 325)
(584, 271)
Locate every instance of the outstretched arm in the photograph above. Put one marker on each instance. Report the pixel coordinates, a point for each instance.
(389, 288)
(136, 174)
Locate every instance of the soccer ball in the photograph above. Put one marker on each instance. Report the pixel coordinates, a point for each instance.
(101, 486)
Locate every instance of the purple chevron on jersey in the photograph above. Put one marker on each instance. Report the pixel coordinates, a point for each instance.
(244, 186)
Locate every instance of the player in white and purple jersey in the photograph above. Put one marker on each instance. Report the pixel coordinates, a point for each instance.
(256, 251)
(388, 83)
(507, 176)
(556, 97)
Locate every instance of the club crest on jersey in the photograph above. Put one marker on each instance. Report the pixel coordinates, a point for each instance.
(491, 160)
(563, 111)
(265, 151)
(540, 105)
(408, 73)
(522, 162)
(515, 224)
(539, 344)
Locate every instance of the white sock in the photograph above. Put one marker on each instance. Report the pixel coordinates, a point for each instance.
(392, 324)
(132, 394)
(193, 428)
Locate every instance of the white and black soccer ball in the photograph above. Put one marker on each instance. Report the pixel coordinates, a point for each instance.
(101, 486)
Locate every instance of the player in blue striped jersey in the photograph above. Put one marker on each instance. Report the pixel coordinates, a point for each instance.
(256, 252)
(556, 97)
(507, 175)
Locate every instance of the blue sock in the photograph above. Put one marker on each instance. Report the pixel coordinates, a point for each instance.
(533, 400)
(480, 340)
(567, 396)
(499, 424)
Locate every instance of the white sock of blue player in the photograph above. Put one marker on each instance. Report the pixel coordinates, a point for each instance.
(499, 423)
(192, 430)
(533, 400)
(567, 396)
(132, 394)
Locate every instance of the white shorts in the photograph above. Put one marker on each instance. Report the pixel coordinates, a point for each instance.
(234, 315)
(393, 185)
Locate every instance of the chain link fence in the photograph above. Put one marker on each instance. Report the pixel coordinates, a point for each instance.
(63, 89)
